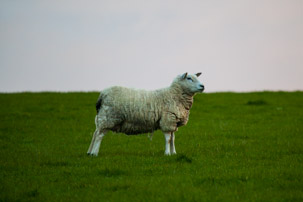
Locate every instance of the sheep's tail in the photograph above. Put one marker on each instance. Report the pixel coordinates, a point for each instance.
(98, 104)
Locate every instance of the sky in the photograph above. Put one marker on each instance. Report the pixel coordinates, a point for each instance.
(89, 45)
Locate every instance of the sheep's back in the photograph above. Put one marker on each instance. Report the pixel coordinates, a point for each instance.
(139, 109)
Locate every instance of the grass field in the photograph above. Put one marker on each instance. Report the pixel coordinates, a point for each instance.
(236, 147)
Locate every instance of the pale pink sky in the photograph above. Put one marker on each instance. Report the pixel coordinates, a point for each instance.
(238, 45)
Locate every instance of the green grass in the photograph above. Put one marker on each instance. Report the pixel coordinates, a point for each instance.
(236, 147)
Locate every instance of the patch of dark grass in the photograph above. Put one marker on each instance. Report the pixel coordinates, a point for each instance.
(112, 172)
(256, 102)
(55, 164)
(118, 188)
(32, 194)
(220, 181)
(183, 158)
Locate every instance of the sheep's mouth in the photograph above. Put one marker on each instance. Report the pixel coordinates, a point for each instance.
(201, 89)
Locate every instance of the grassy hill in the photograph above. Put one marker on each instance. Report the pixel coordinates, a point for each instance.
(236, 147)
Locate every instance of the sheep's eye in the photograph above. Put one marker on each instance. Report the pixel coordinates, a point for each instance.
(189, 78)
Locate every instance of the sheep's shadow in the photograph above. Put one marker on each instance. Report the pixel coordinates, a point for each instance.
(177, 158)
(129, 154)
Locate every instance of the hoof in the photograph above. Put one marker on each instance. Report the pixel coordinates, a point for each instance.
(91, 154)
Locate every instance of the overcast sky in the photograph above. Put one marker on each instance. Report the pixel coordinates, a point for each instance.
(68, 45)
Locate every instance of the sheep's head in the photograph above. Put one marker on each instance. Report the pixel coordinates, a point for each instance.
(190, 83)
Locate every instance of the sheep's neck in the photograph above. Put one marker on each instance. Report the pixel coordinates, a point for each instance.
(184, 98)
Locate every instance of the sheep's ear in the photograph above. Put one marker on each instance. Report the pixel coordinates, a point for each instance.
(184, 75)
(198, 74)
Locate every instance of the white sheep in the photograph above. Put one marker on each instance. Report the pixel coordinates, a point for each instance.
(133, 111)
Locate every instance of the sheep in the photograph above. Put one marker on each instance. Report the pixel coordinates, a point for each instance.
(132, 112)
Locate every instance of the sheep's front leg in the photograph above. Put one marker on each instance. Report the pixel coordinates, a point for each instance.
(96, 142)
(92, 142)
(172, 144)
(168, 139)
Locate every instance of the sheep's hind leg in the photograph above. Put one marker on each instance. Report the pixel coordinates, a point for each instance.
(172, 144)
(96, 142)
